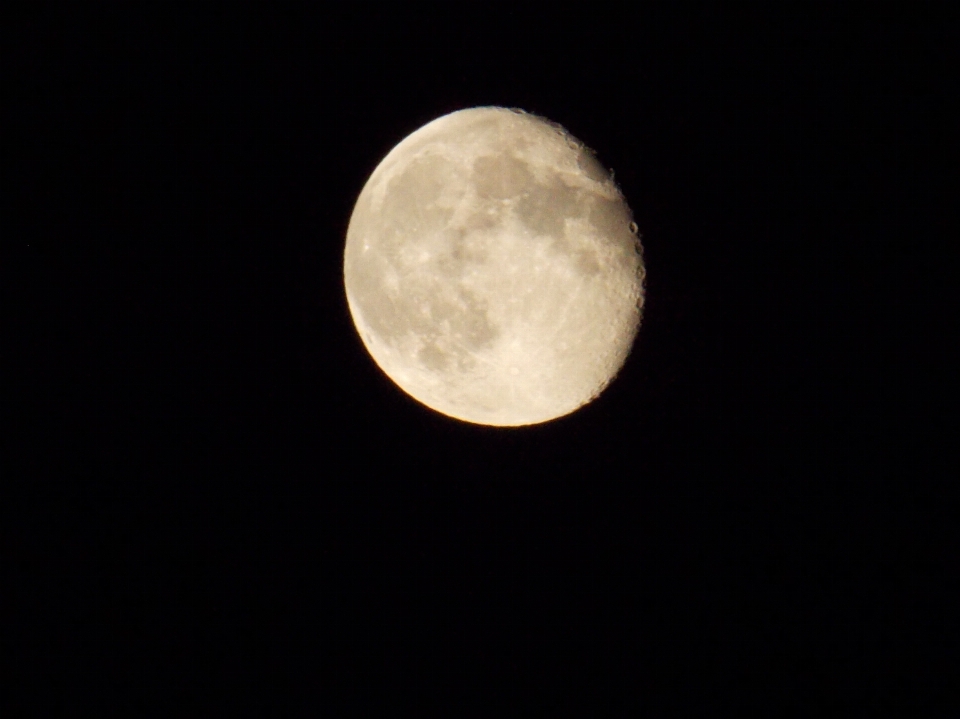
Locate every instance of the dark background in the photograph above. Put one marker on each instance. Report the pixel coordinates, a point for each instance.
(218, 483)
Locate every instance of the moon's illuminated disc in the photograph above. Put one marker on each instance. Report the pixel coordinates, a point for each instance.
(493, 270)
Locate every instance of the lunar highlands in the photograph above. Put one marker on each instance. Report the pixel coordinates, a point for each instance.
(493, 270)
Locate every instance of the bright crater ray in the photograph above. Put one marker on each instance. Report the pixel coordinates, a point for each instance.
(492, 269)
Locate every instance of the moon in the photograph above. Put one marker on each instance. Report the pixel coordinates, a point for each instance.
(493, 269)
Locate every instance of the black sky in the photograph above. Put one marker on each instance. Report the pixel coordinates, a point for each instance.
(220, 482)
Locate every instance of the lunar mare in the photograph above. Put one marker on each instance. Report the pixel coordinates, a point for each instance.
(492, 269)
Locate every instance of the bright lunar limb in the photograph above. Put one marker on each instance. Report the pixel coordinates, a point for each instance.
(493, 270)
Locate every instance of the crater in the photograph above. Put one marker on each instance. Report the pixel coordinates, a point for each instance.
(611, 218)
(433, 357)
(544, 207)
(500, 177)
(591, 167)
(587, 263)
(409, 203)
(446, 319)
(460, 252)
(467, 320)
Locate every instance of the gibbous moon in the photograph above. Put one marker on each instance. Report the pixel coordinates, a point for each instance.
(493, 269)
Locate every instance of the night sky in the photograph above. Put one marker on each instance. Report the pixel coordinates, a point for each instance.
(219, 484)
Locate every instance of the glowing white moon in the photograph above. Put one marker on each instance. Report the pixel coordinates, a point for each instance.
(493, 270)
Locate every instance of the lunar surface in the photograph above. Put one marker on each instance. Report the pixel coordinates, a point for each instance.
(493, 269)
